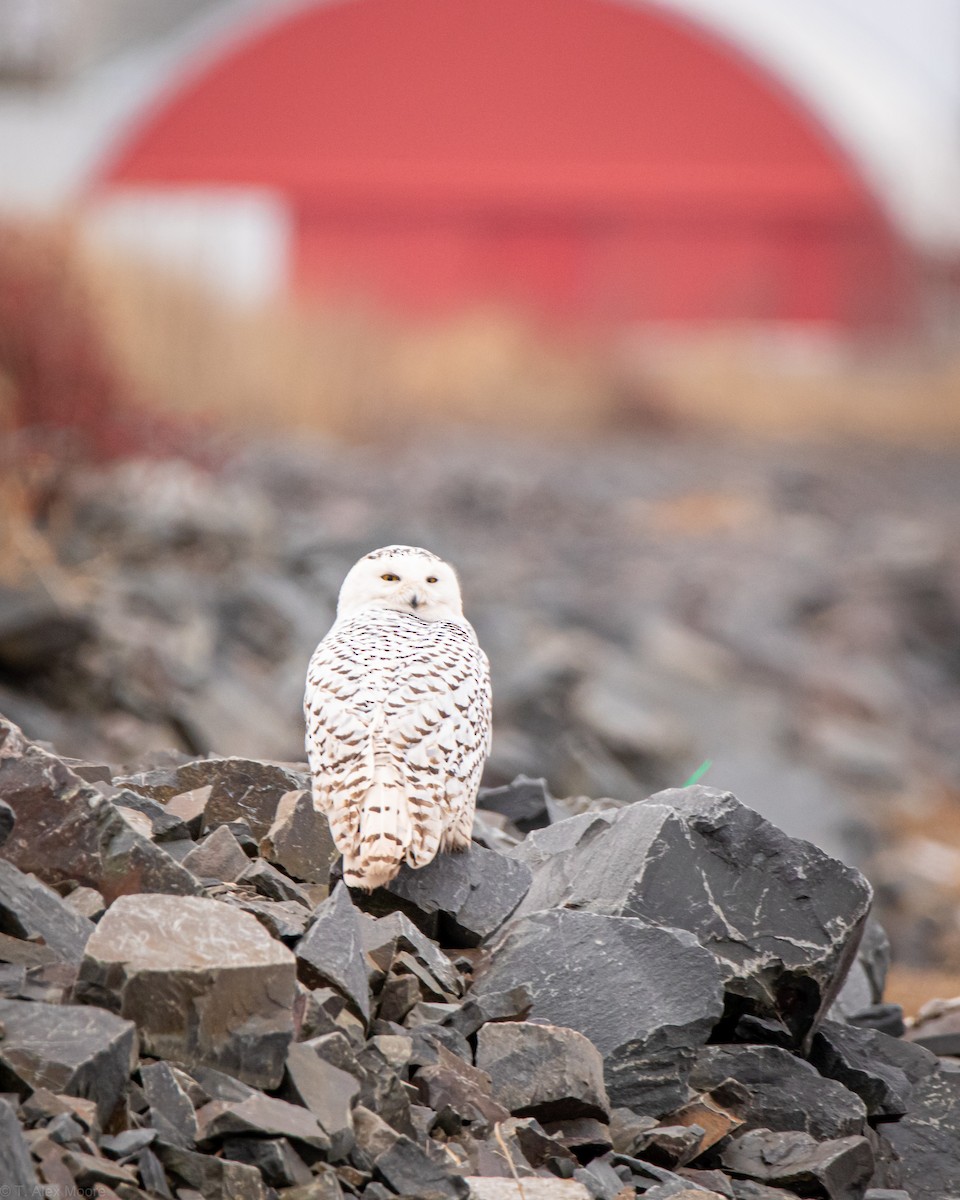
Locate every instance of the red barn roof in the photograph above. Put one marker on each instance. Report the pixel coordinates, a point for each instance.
(585, 157)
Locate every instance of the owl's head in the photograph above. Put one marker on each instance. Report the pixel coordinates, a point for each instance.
(404, 578)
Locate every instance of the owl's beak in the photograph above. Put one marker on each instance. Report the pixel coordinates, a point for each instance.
(414, 601)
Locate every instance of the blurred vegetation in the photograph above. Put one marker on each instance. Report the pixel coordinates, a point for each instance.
(129, 357)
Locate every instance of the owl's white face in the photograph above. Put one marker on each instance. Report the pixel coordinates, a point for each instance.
(404, 578)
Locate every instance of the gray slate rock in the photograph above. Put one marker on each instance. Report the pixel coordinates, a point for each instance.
(272, 884)
(165, 826)
(67, 1048)
(30, 909)
(458, 899)
(16, 1167)
(927, 1137)
(211, 1176)
(171, 1111)
(7, 821)
(274, 1158)
(784, 1092)
(841, 1167)
(67, 830)
(260, 1116)
(299, 840)
(219, 856)
(327, 1091)
(882, 1070)
(204, 982)
(240, 789)
(331, 951)
(457, 1089)
(525, 802)
(543, 1071)
(384, 938)
(645, 996)
(782, 918)
(410, 1172)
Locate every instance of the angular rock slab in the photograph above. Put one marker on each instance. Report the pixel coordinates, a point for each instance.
(646, 997)
(16, 1168)
(782, 918)
(66, 829)
(839, 1168)
(240, 788)
(458, 899)
(543, 1071)
(331, 951)
(927, 1138)
(785, 1093)
(882, 1070)
(204, 982)
(67, 1049)
(299, 840)
(30, 909)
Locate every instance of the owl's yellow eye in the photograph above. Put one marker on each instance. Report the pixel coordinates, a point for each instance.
(431, 579)
(391, 578)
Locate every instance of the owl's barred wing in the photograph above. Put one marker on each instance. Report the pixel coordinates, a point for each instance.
(339, 747)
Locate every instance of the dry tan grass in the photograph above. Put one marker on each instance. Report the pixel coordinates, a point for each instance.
(186, 354)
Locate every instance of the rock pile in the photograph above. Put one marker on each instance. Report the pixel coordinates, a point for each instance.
(669, 999)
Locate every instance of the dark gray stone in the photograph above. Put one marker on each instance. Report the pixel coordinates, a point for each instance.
(273, 884)
(939, 1030)
(274, 1158)
(327, 1090)
(17, 1171)
(219, 856)
(7, 821)
(299, 840)
(781, 917)
(30, 909)
(212, 1176)
(171, 1111)
(67, 1048)
(841, 1167)
(165, 825)
(286, 920)
(383, 1092)
(783, 1091)
(259, 1115)
(455, 1087)
(239, 789)
(513, 1004)
(880, 1069)
(127, 1143)
(525, 802)
(67, 830)
(543, 1071)
(863, 987)
(927, 1137)
(204, 982)
(331, 951)
(458, 899)
(387, 937)
(410, 1172)
(399, 994)
(646, 997)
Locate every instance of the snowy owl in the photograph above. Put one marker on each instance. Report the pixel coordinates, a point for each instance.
(397, 708)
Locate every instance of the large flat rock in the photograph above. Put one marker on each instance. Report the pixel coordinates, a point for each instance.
(67, 1048)
(781, 917)
(204, 982)
(646, 997)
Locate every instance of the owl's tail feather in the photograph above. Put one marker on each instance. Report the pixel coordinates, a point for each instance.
(385, 832)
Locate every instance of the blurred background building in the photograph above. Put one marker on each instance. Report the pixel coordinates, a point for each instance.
(609, 161)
